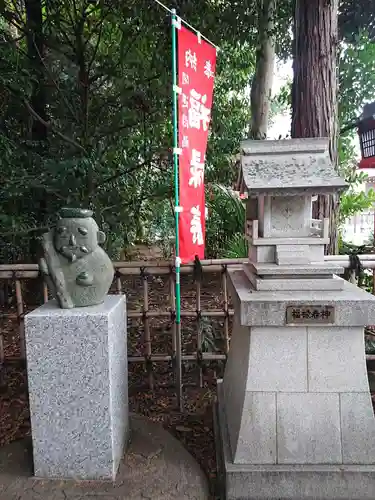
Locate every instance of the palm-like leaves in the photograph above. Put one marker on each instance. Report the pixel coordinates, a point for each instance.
(225, 224)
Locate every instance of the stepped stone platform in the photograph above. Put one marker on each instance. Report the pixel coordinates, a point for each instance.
(155, 466)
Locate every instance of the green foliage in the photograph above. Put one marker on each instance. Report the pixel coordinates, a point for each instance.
(370, 344)
(356, 76)
(356, 87)
(354, 201)
(224, 226)
(230, 116)
(281, 102)
(207, 334)
(356, 16)
(103, 137)
(85, 100)
(226, 223)
(235, 248)
(161, 228)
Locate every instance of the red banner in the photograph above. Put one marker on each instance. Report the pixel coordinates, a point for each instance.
(196, 71)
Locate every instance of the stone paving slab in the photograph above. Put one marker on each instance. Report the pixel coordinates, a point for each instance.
(156, 466)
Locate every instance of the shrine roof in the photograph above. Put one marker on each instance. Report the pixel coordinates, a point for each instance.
(289, 167)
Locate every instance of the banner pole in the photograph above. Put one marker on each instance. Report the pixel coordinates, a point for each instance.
(176, 188)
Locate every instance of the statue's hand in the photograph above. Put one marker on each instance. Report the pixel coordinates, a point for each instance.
(84, 279)
(47, 242)
(43, 266)
(56, 278)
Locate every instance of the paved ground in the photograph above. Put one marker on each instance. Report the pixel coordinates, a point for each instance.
(156, 467)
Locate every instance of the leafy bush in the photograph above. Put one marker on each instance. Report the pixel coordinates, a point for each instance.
(226, 223)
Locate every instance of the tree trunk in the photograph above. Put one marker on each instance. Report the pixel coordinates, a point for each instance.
(261, 87)
(314, 91)
(35, 52)
(37, 130)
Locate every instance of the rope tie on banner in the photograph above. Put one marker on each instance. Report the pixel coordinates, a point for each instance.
(143, 273)
(177, 23)
(177, 266)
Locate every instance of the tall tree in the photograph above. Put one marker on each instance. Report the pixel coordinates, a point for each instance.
(37, 120)
(35, 52)
(314, 91)
(262, 79)
(261, 87)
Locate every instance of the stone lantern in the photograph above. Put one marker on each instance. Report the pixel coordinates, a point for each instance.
(294, 414)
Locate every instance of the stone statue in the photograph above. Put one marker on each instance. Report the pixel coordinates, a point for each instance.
(77, 270)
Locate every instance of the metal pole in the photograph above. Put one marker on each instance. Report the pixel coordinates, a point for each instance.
(177, 201)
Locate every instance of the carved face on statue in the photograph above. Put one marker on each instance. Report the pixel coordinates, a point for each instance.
(77, 234)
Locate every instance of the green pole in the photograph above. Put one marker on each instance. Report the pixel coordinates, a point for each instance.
(176, 190)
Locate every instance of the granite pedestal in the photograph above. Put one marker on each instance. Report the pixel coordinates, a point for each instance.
(294, 417)
(78, 389)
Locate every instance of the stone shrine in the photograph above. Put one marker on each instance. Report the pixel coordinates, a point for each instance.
(294, 414)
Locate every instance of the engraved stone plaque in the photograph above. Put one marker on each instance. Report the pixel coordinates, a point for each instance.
(310, 314)
(288, 216)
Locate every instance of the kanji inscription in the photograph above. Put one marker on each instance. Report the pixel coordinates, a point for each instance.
(310, 314)
(196, 71)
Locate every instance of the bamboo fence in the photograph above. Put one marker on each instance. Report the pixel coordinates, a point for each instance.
(16, 273)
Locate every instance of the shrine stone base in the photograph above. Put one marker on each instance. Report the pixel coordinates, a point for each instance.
(294, 417)
(286, 482)
(78, 389)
